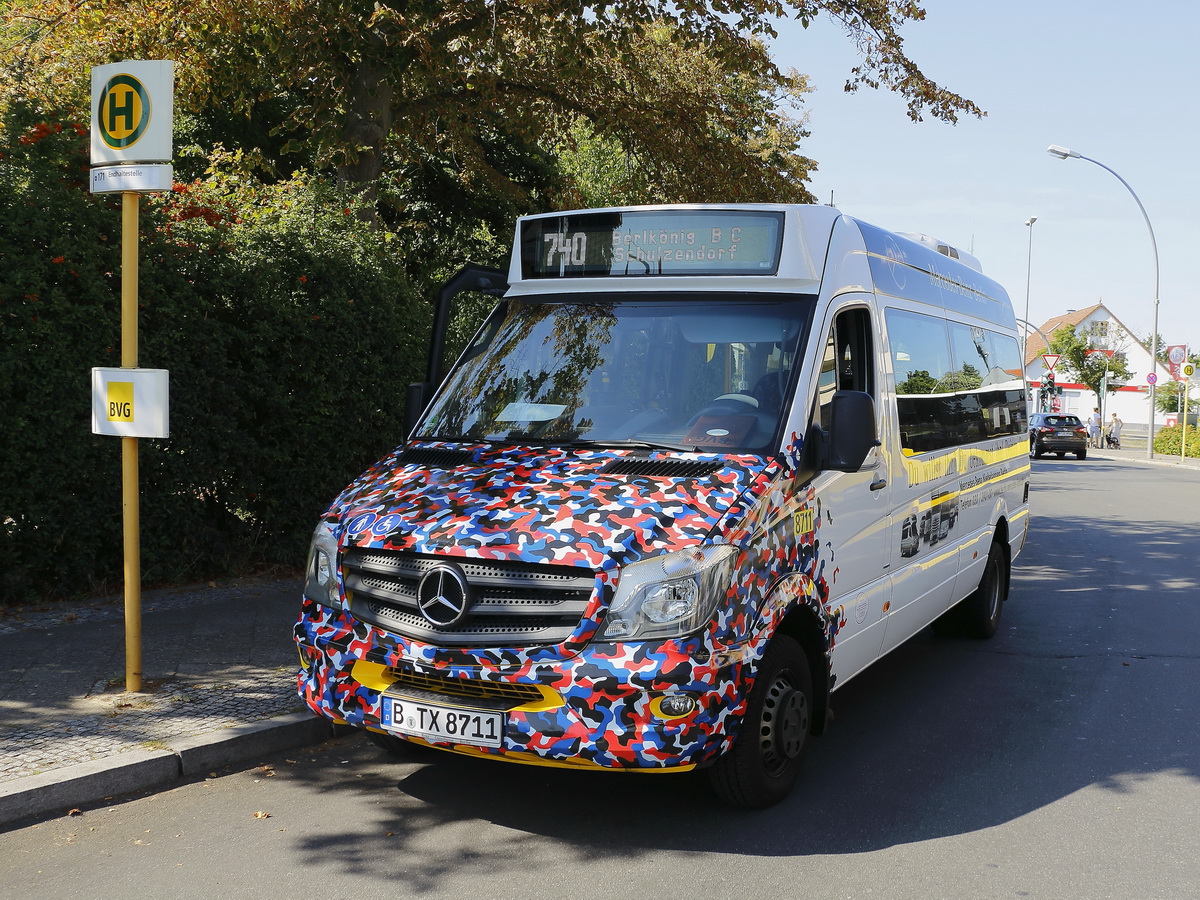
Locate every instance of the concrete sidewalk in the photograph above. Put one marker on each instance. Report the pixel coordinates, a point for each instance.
(219, 689)
(1137, 454)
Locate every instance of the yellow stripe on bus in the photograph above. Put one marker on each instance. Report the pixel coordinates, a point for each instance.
(959, 462)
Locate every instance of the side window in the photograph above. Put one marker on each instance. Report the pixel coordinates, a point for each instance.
(955, 384)
(849, 360)
(921, 364)
(996, 404)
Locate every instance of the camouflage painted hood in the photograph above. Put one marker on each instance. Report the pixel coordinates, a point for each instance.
(593, 508)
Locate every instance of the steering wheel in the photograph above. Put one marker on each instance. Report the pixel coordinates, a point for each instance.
(740, 398)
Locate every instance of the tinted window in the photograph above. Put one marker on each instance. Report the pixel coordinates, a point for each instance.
(955, 384)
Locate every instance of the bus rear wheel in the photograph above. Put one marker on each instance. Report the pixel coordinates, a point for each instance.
(981, 610)
(764, 762)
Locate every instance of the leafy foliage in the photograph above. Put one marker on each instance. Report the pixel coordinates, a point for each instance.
(366, 84)
(919, 381)
(1083, 364)
(1168, 397)
(607, 169)
(1168, 441)
(288, 333)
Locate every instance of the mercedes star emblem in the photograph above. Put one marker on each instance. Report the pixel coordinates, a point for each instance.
(444, 596)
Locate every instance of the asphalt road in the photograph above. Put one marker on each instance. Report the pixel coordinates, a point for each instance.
(1059, 760)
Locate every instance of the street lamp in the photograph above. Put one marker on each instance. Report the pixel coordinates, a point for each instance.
(1064, 153)
(1028, 268)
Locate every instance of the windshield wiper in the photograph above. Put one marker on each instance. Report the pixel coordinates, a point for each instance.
(636, 445)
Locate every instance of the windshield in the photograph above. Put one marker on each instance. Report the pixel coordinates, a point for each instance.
(703, 372)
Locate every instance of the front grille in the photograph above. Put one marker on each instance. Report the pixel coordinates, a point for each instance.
(484, 694)
(516, 604)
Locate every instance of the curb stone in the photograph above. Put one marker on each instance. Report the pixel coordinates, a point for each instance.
(135, 770)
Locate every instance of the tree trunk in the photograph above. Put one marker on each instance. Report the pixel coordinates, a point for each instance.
(368, 124)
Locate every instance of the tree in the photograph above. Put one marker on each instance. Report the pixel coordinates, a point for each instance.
(967, 378)
(919, 381)
(1168, 397)
(1084, 363)
(368, 84)
(600, 170)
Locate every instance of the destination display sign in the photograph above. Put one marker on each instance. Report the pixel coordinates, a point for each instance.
(654, 243)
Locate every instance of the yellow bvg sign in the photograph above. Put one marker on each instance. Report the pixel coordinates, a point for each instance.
(130, 402)
(120, 401)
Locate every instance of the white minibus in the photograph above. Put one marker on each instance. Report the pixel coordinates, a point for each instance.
(700, 467)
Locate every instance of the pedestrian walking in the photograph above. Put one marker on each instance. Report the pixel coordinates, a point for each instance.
(1093, 428)
(1112, 435)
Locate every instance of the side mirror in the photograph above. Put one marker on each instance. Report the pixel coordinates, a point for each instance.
(851, 431)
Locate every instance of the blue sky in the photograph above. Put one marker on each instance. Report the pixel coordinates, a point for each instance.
(1113, 81)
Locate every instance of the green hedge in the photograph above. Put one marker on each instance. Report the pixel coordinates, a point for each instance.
(1168, 441)
(289, 334)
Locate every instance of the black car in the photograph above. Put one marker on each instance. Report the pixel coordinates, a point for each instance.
(1057, 433)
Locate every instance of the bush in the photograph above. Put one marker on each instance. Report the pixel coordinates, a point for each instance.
(288, 332)
(1168, 441)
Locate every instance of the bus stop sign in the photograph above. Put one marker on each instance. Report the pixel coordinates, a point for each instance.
(132, 109)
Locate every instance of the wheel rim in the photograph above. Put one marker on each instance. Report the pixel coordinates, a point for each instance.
(784, 726)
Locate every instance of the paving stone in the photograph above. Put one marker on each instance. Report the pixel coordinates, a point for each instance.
(57, 709)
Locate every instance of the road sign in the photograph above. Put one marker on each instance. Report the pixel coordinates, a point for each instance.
(132, 111)
(1151, 378)
(1051, 360)
(150, 178)
(130, 402)
(1176, 356)
(1188, 370)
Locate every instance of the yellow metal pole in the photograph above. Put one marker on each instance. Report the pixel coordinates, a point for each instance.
(129, 447)
(1183, 434)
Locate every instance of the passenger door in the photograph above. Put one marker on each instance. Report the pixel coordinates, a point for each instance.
(853, 507)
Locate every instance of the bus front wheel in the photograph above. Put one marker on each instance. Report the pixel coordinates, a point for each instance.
(764, 762)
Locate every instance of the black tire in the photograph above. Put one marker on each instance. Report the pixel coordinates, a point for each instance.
(981, 610)
(764, 762)
(1082, 454)
(1037, 450)
(1061, 454)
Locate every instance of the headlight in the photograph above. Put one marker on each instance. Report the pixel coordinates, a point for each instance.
(320, 578)
(669, 595)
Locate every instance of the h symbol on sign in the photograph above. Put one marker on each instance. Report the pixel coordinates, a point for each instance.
(123, 111)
